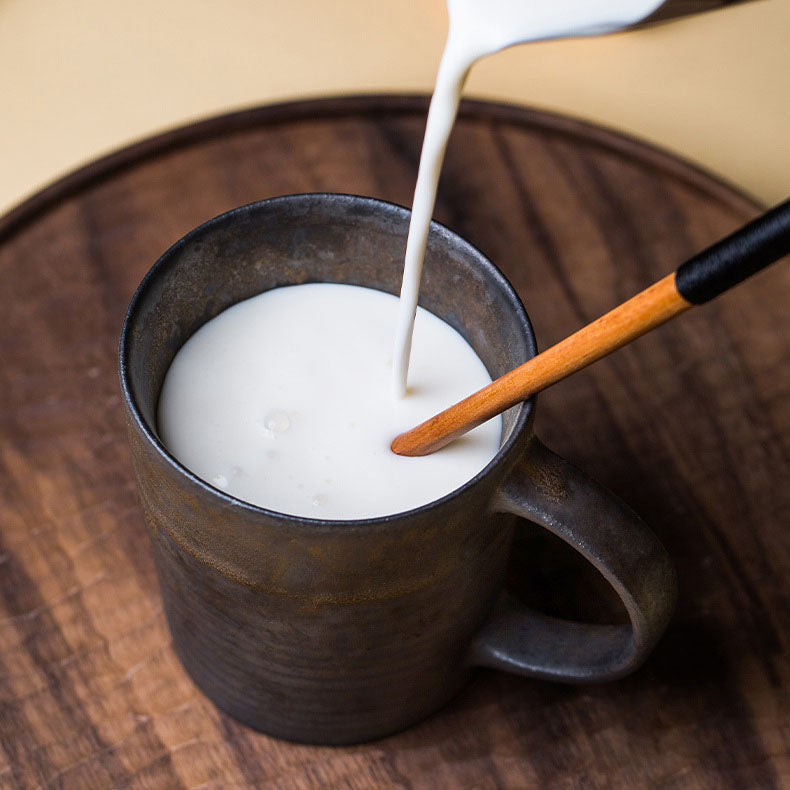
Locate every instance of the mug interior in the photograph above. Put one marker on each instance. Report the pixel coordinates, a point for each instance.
(314, 238)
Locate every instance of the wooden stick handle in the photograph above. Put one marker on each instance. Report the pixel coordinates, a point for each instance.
(633, 318)
(706, 275)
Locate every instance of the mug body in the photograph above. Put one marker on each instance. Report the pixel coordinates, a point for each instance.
(310, 630)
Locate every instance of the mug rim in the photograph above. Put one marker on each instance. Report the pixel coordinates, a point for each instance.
(452, 239)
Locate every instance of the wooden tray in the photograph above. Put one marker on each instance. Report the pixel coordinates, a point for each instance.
(690, 425)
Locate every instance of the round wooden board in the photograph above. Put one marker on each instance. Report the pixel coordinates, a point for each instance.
(690, 425)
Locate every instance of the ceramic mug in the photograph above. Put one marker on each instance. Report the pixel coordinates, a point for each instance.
(343, 631)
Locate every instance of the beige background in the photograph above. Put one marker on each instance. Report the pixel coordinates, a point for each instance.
(84, 77)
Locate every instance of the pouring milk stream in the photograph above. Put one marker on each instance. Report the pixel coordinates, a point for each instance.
(478, 28)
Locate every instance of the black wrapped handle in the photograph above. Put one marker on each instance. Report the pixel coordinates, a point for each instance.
(738, 256)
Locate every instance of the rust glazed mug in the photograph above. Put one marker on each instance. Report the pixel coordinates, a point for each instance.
(337, 632)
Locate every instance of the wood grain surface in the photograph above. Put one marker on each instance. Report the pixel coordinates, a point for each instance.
(690, 425)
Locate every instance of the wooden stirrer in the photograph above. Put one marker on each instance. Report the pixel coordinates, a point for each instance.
(706, 275)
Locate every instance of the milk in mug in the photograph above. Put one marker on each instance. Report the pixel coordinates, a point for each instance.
(285, 401)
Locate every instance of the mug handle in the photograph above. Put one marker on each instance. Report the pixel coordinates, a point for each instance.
(549, 491)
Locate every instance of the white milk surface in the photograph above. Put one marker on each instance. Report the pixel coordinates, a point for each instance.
(285, 401)
(478, 28)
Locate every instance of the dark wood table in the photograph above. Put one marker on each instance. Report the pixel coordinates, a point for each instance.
(690, 425)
